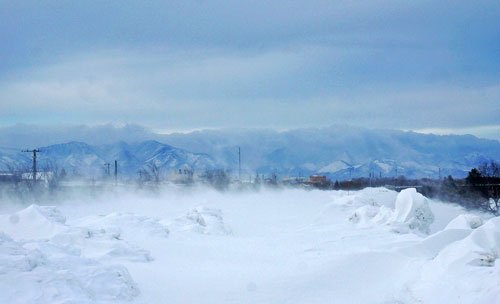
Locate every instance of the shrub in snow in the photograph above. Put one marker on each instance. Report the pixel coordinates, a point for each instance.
(412, 209)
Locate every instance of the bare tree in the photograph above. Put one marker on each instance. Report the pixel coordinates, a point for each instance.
(150, 174)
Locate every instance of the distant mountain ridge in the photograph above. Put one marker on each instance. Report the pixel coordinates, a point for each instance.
(340, 152)
(88, 160)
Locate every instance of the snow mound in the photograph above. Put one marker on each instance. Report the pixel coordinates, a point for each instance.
(371, 214)
(33, 222)
(367, 201)
(102, 244)
(47, 273)
(112, 236)
(413, 211)
(465, 221)
(364, 214)
(463, 268)
(125, 225)
(14, 258)
(201, 220)
(432, 245)
(480, 248)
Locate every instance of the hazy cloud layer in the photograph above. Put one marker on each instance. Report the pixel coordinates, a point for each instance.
(195, 64)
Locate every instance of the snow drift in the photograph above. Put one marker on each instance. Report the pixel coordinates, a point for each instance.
(411, 212)
(289, 246)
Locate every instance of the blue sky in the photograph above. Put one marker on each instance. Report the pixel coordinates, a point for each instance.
(183, 65)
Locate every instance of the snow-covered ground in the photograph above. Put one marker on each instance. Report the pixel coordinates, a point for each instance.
(273, 246)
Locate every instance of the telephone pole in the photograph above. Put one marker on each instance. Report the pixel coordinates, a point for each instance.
(34, 151)
(239, 164)
(116, 172)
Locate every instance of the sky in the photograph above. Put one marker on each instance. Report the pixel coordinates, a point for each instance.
(429, 66)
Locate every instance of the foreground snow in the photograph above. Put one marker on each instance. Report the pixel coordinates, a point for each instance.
(291, 246)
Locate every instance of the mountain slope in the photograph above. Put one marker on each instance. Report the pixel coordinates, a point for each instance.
(341, 151)
(87, 160)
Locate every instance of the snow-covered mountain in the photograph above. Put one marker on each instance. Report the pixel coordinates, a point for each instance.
(89, 160)
(338, 151)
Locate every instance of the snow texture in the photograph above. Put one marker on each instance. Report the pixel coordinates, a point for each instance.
(290, 246)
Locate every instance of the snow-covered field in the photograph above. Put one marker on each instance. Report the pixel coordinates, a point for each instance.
(273, 246)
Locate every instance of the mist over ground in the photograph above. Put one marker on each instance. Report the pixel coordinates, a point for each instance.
(181, 245)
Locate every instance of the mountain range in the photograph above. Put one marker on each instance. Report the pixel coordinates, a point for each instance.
(79, 158)
(339, 152)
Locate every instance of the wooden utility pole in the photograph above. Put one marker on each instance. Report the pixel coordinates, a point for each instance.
(116, 172)
(34, 151)
(239, 164)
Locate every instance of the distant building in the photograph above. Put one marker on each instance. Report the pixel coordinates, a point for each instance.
(318, 181)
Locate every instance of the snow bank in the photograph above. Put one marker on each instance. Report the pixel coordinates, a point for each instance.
(34, 222)
(465, 271)
(112, 236)
(411, 212)
(372, 214)
(432, 245)
(125, 225)
(480, 248)
(412, 209)
(47, 273)
(465, 221)
(49, 260)
(201, 220)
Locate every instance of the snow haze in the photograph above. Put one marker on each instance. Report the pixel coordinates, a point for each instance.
(272, 246)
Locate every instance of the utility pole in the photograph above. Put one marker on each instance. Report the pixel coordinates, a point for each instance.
(239, 164)
(34, 151)
(116, 172)
(107, 169)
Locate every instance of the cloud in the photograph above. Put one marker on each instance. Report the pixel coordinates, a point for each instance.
(213, 88)
(192, 64)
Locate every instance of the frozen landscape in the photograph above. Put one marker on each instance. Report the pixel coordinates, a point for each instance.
(269, 246)
(159, 152)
